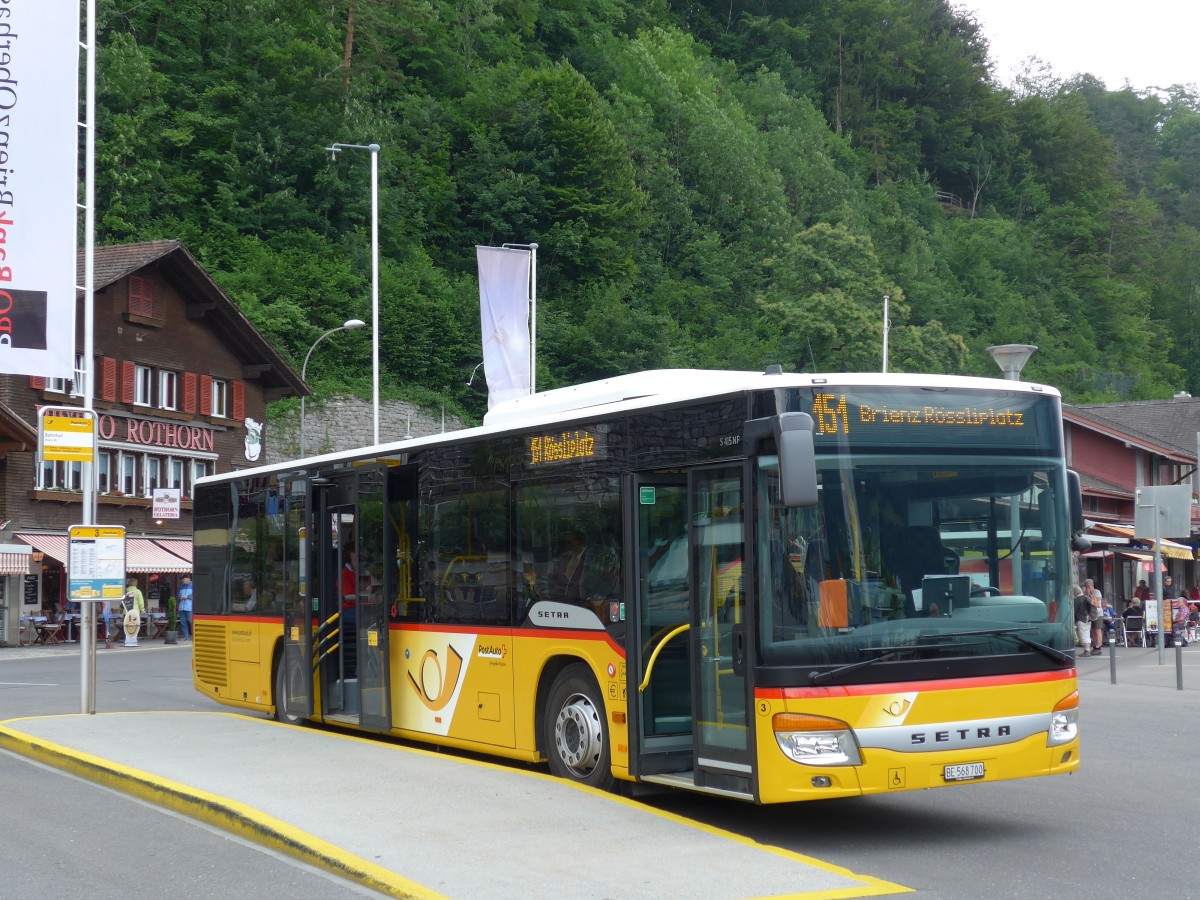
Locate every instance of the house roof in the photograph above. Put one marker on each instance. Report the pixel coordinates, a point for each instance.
(1153, 425)
(204, 300)
(15, 432)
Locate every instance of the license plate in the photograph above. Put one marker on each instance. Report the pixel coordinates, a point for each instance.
(964, 772)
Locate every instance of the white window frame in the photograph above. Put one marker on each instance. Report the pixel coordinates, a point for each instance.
(168, 389)
(60, 474)
(77, 382)
(128, 477)
(151, 474)
(104, 469)
(220, 398)
(143, 385)
(177, 474)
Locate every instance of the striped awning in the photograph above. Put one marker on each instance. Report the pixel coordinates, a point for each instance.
(14, 563)
(181, 547)
(1172, 549)
(144, 555)
(54, 545)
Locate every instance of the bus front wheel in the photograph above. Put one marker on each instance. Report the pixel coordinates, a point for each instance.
(575, 739)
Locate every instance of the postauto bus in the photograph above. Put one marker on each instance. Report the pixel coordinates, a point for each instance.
(766, 586)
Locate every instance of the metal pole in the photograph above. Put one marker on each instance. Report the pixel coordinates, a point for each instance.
(887, 327)
(347, 326)
(1112, 656)
(533, 248)
(87, 620)
(1179, 664)
(1162, 601)
(374, 148)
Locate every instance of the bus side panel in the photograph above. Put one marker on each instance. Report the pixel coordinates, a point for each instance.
(455, 684)
(909, 733)
(231, 659)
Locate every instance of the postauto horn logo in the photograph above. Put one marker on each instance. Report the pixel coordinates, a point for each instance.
(434, 687)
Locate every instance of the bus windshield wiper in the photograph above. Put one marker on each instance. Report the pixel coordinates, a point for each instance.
(819, 677)
(1015, 633)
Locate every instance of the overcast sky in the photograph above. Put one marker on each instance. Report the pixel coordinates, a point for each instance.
(1147, 42)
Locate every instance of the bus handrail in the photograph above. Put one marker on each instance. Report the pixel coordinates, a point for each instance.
(653, 656)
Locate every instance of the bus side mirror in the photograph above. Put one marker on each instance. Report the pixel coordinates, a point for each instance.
(797, 459)
(1075, 498)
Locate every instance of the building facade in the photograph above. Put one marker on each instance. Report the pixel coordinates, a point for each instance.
(181, 382)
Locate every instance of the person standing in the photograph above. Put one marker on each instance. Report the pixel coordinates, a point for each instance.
(1083, 620)
(1096, 614)
(183, 605)
(1170, 605)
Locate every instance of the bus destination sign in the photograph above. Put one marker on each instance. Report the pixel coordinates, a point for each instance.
(912, 416)
(567, 446)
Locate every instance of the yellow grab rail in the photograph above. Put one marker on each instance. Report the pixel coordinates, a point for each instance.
(653, 656)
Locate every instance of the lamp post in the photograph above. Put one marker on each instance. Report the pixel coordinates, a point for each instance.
(348, 325)
(374, 150)
(1011, 358)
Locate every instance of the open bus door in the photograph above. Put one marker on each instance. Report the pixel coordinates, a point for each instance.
(687, 655)
(350, 649)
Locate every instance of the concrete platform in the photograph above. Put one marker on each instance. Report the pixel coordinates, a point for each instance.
(414, 823)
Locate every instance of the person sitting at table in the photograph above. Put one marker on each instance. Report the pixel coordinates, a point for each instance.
(1108, 617)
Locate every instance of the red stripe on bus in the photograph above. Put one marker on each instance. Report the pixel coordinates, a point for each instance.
(899, 687)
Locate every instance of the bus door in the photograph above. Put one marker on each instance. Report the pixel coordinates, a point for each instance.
(687, 656)
(659, 668)
(351, 643)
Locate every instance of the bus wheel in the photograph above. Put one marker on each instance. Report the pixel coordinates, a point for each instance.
(576, 740)
(281, 696)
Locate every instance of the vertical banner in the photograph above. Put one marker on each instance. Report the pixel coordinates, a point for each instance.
(504, 316)
(39, 112)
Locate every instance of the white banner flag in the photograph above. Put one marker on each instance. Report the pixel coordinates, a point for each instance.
(39, 109)
(504, 316)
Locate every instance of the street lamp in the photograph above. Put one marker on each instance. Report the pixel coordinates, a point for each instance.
(1011, 358)
(374, 150)
(348, 325)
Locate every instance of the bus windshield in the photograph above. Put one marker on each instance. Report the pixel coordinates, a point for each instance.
(916, 557)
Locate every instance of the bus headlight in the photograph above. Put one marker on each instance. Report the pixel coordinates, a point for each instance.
(816, 740)
(1064, 721)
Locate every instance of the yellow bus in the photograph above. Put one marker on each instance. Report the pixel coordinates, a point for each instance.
(766, 586)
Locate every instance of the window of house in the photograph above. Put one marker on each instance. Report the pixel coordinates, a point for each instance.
(128, 483)
(175, 474)
(220, 398)
(59, 475)
(200, 468)
(152, 471)
(168, 389)
(77, 382)
(103, 471)
(141, 296)
(143, 385)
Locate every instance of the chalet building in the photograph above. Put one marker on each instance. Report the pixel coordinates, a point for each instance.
(1118, 448)
(181, 383)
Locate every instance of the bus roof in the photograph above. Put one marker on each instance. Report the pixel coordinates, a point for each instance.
(640, 390)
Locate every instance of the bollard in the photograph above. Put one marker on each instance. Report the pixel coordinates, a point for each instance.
(1112, 658)
(1179, 662)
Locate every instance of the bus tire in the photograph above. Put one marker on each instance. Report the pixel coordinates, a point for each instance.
(281, 695)
(575, 738)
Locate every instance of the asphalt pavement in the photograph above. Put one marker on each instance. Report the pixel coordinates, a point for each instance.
(410, 822)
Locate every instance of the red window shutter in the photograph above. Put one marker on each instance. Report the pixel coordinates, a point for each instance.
(37, 382)
(206, 395)
(141, 296)
(239, 400)
(108, 379)
(127, 376)
(189, 392)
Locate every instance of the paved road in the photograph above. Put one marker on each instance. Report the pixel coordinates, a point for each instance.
(1034, 838)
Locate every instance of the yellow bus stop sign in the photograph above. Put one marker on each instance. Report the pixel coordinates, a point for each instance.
(68, 439)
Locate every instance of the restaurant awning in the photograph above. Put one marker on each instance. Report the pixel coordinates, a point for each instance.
(14, 559)
(181, 547)
(141, 554)
(144, 555)
(54, 545)
(1172, 549)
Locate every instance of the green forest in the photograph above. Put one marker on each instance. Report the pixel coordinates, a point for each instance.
(711, 184)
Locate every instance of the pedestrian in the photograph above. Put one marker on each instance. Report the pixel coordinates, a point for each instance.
(184, 607)
(1095, 614)
(1083, 620)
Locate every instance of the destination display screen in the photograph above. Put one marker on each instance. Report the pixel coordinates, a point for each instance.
(908, 417)
(567, 446)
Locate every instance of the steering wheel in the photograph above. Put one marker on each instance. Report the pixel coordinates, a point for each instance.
(988, 590)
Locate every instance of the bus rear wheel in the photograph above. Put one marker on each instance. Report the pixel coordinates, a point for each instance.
(575, 738)
(281, 695)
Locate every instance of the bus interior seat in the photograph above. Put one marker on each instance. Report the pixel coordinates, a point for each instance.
(918, 551)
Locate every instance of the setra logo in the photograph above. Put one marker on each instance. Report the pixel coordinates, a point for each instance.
(434, 687)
